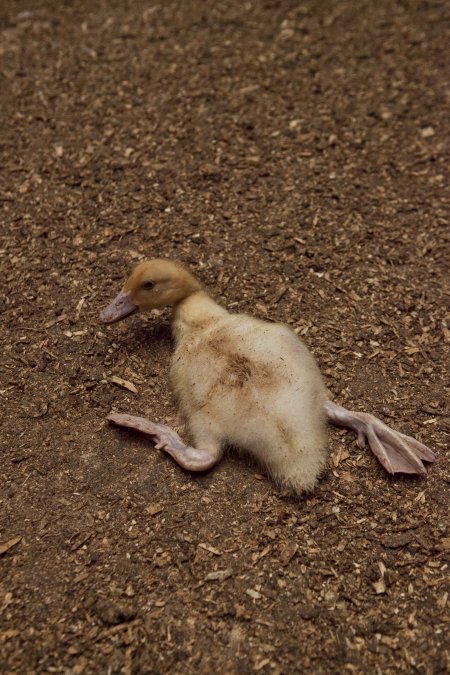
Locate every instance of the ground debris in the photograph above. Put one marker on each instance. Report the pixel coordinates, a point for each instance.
(154, 509)
(209, 548)
(7, 545)
(126, 384)
(293, 155)
(397, 540)
(219, 575)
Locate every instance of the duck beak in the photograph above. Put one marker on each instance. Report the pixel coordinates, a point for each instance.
(120, 308)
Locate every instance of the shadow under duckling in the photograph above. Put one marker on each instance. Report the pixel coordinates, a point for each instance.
(247, 383)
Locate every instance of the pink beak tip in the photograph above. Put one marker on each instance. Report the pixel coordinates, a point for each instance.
(121, 307)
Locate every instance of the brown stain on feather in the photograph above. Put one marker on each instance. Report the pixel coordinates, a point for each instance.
(237, 372)
(238, 369)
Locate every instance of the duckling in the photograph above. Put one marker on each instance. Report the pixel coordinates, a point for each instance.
(247, 383)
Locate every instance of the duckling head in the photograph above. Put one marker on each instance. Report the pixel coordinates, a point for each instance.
(152, 285)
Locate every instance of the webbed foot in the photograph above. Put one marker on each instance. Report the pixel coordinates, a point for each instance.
(397, 452)
(165, 438)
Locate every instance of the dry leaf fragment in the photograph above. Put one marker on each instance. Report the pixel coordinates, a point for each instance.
(9, 544)
(219, 575)
(153, 509)
(126, 384)
(209, 548)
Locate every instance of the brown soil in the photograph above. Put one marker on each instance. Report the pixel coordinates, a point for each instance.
(294, 155)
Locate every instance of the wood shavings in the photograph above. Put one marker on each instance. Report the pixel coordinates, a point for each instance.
(253, 594)
(9, 544)
(351, 202)
(287, 552)
(210, 549)
(125, 384)
(154, 509)
(379, 586)
(79, 307)
(397, 540)
(340, 455)
(219, 575)
(53, 322)
(444, 544)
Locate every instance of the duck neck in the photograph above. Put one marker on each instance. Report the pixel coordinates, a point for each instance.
(194, 312)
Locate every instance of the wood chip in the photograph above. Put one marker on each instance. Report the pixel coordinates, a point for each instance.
(288, 550)
(427, 132)
(339, 456)
(211, 549)
(7, 634)
(379, 586)
(258, 555)
(281, 290)
(9, 544)
(260, 665)
(153, 509)
(253, 594)
(81, 577)
(382, 568)
(126, 384)
(79, 307)
(219, 575)
(49, 324)
(397, 540)
(444, 544)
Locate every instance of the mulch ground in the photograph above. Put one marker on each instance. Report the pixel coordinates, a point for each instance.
(294, 155)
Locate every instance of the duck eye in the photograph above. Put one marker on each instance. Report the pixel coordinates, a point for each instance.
(148, 285)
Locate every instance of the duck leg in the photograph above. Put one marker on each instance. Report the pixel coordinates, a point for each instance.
(165, 438)
(397, 452)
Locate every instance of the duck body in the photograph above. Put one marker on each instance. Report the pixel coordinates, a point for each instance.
(252, 385)
(247, 383)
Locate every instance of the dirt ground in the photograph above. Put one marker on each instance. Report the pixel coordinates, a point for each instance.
(294, 154)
